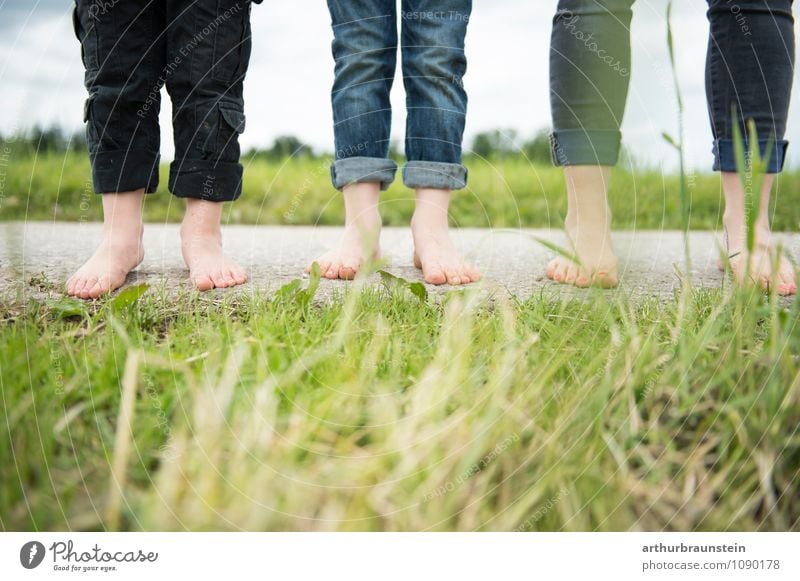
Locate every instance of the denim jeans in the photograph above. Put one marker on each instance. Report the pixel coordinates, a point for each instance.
(200, 50)
(433, 63)
(749, 66)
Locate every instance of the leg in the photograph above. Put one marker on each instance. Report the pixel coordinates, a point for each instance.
(208, 50)
(365, 53)
(123, 56)
(434, 64)
(590, 62)
(750, 67)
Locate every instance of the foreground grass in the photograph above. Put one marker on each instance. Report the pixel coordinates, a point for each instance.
(381, 411)
(511, 193)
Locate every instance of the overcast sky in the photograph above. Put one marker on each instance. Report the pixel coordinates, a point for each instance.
(288, 86)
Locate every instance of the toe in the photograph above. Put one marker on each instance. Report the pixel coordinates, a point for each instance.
(202, 282)
(572, 274)
(434, 274)
(101, 287)
(452, 275)
(473, 273)
(349, 270)
(560, 273)
(239, 274)
(89, 282)
(71, 283)
(608, 280)
(218, 277)
(551, 269)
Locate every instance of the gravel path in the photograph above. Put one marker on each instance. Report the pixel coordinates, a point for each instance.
(35, 252)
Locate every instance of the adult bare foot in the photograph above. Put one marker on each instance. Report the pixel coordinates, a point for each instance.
(201, 245)
(766, 267)
(119, 252)
(360, 242)
(588, 226)
(434, 251)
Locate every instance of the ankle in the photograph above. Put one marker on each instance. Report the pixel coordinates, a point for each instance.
(124, 233)
(595, 216)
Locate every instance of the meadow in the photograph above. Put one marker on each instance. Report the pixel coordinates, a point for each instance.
(389, 410)
(503, 193)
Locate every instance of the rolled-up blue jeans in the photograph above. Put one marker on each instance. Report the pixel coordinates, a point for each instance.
(749, 68)
(365, 50)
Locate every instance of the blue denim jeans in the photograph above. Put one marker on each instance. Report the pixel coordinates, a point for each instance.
(749, 66)
(433, 62)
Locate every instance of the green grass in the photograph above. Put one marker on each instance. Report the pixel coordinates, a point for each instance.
(511, 193)
(381, 411)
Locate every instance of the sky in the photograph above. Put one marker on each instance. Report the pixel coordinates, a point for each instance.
(287, 89)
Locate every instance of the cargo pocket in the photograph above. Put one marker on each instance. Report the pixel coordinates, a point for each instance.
(232, 40)
(86, 32)
(92, 137)
(219, 133)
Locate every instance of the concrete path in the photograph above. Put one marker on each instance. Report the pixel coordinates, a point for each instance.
(34, 252)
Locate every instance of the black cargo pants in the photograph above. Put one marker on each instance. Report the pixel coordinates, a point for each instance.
(200, 50)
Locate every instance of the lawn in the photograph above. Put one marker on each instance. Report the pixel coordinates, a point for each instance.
(388, 410)
(501, 194)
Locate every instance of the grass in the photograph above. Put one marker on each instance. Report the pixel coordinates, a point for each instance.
(388, 410)
(502, 194)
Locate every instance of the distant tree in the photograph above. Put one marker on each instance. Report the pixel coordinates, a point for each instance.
(537, 149)
(495, 144)
(288, 146)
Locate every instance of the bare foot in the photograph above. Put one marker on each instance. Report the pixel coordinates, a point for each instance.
(359, 243)
(119, 252)
(201, 245)
(434, 251)
(588, 226)
(764, 259)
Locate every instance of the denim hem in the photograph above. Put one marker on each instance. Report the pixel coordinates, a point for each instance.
(356, 170)
(205, 180)
(585, 147)
(435, 174)
(124, 171)
(725, 157)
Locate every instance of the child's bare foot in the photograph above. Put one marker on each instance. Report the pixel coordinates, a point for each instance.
(119, 252)
(201, 245)
(764, 259)
(359, 243)
(434, 251)
(588, 226)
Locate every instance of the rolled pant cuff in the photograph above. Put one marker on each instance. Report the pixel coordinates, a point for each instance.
(585, 147)
(358, 170)
(435, 174)
(205, 180)
(725, 156)
(124, 171)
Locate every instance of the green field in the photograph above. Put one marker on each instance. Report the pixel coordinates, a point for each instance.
(502, 194)
(387, 409)
(383, 412)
